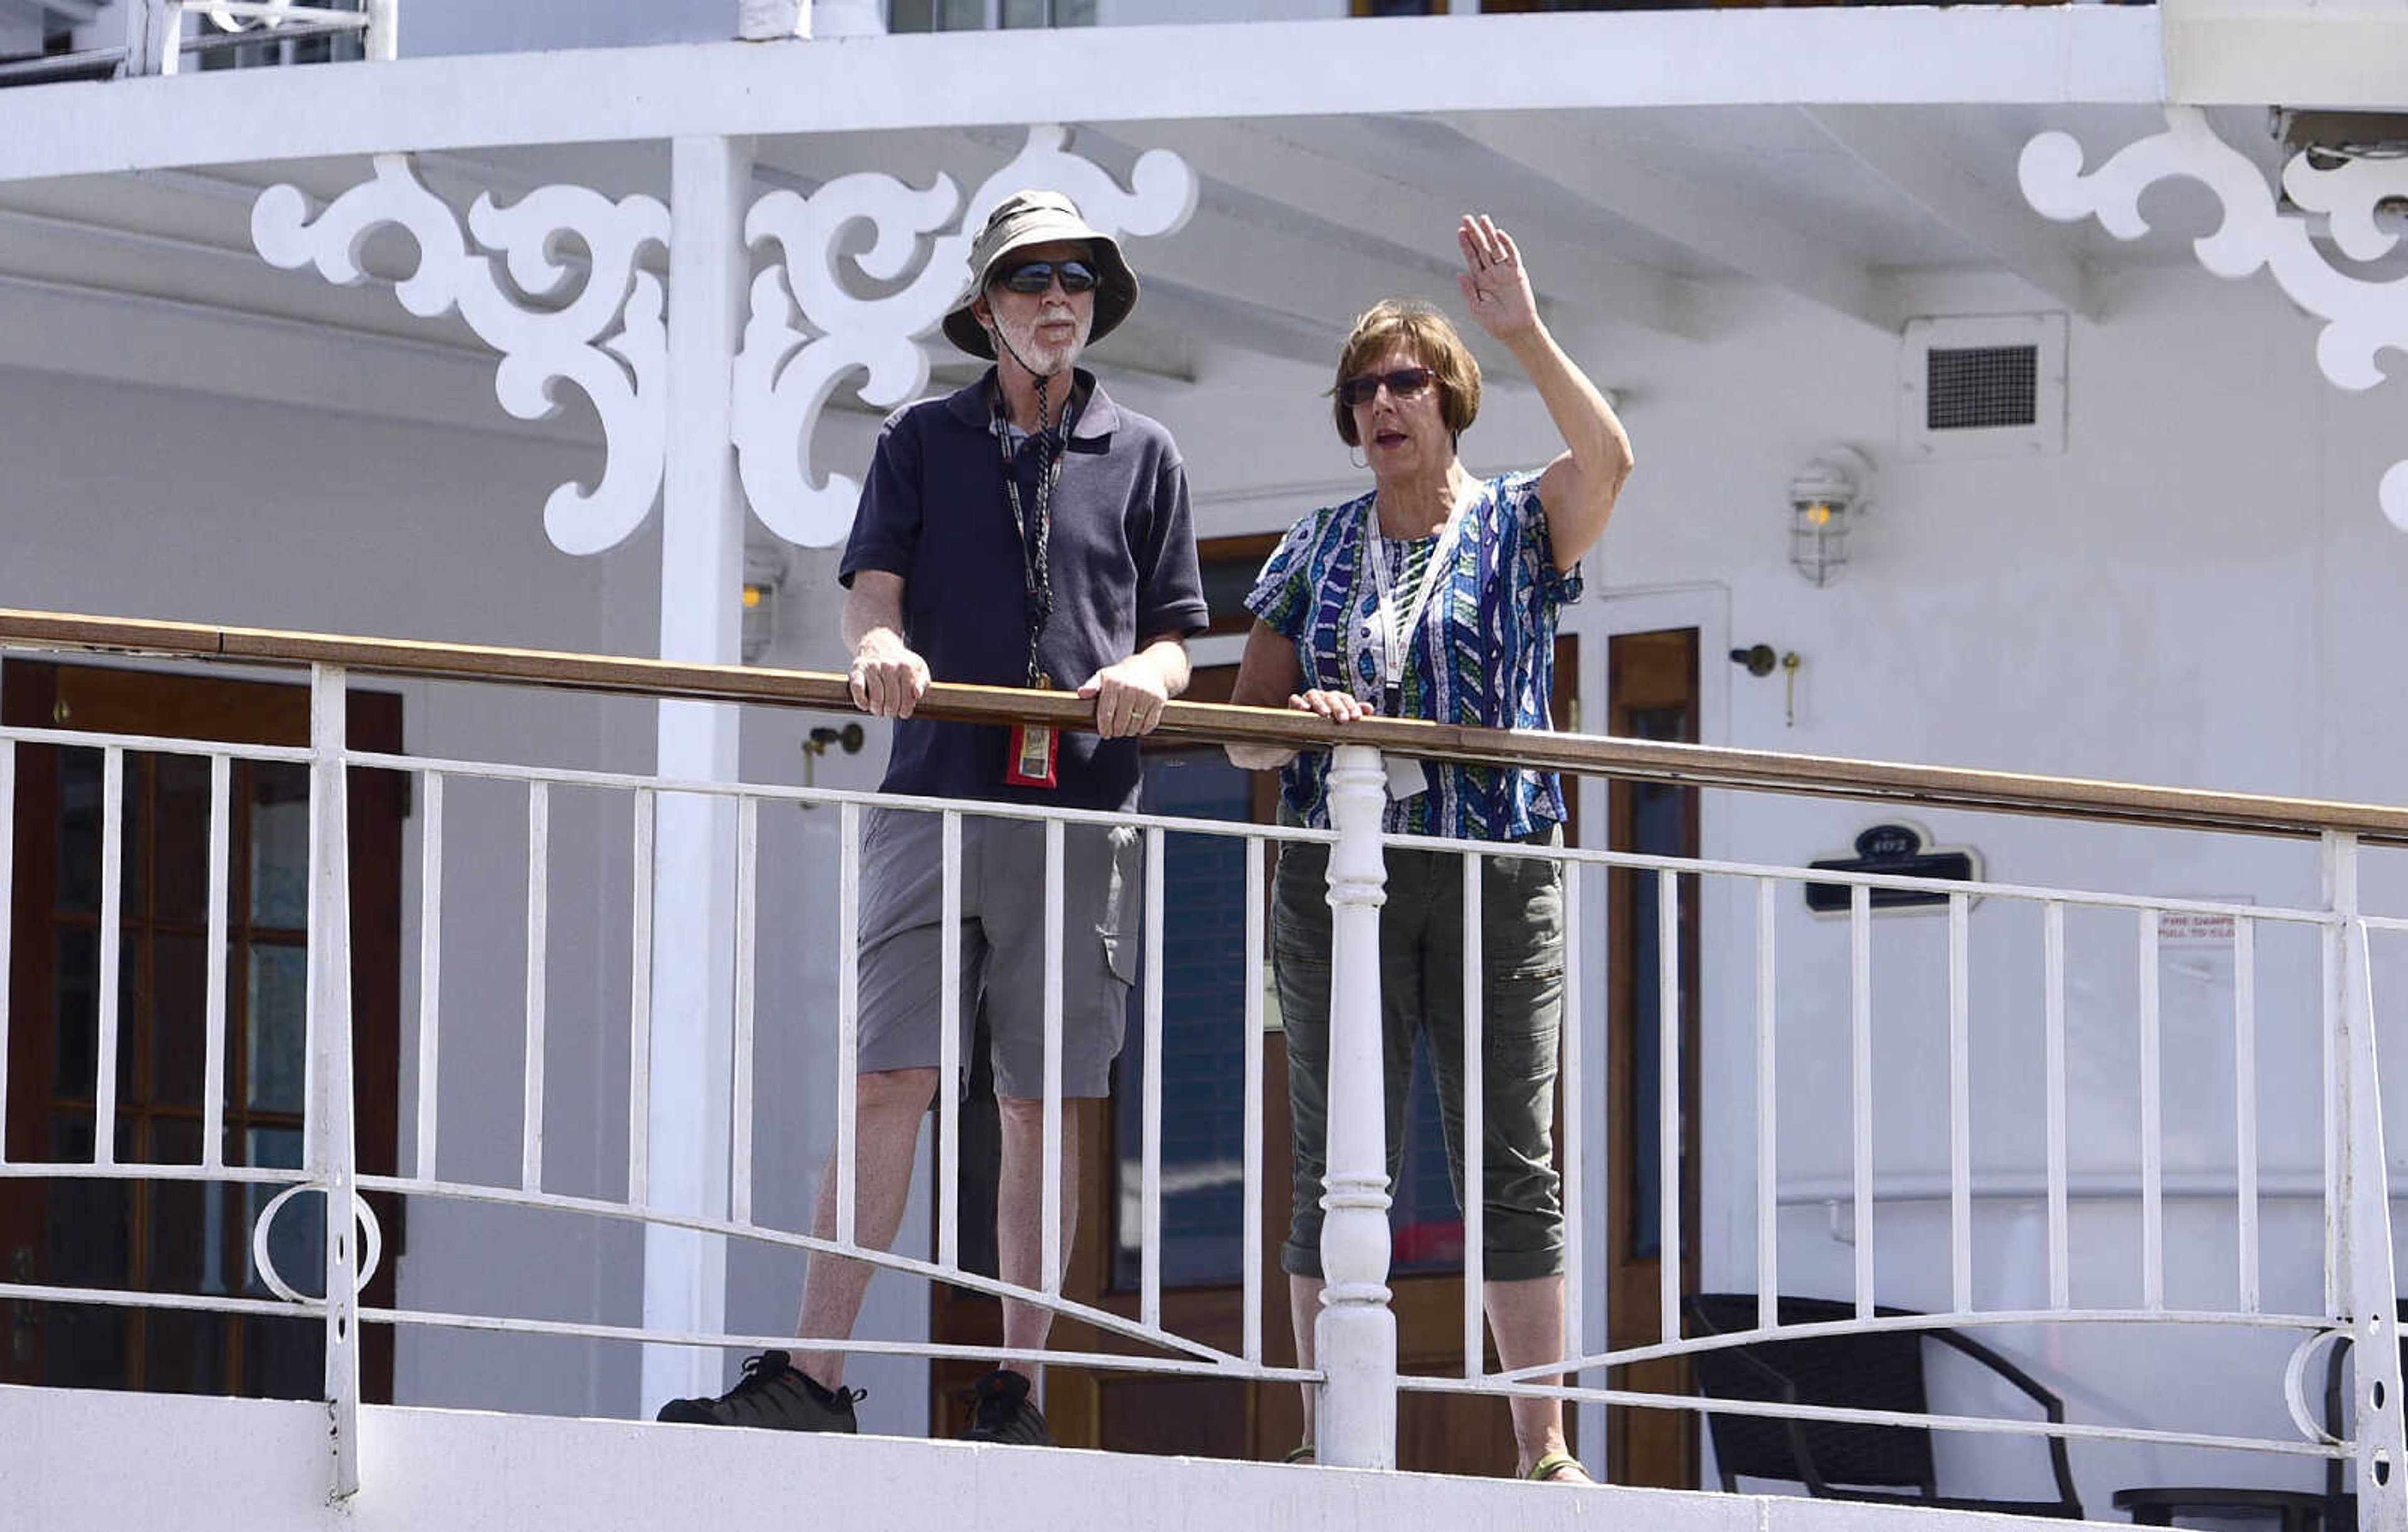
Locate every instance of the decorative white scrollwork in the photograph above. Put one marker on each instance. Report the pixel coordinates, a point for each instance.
(269, 14)
(807, 331)
(608, 341)
(2361, 317)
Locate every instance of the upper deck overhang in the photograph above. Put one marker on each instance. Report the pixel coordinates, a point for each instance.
(1899, 56)
(2328, 53)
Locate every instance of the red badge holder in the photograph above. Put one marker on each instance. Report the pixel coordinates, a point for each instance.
(1034, 751)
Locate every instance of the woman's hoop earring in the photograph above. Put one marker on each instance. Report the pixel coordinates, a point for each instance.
(1354, 455)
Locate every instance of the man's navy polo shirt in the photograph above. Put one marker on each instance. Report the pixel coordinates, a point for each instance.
(1122, 557)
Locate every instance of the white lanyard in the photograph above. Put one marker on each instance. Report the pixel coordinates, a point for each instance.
(1397, 629)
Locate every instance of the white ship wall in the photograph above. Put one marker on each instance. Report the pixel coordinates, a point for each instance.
(2199, 591)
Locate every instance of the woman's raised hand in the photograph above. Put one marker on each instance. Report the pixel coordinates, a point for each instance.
(1494, 284)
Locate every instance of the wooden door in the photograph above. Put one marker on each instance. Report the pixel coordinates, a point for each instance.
(1653, 691)
(182, 1236)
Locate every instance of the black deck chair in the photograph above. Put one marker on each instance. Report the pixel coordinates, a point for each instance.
(1878, 1370)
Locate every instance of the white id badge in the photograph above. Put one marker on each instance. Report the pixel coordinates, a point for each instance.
(1405, 778)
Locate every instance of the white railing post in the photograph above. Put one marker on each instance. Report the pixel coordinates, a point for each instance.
(332, 1139)
(767, 21)
(2363, 1210)
(382, 41)
(153, 36)
(1355, 1338)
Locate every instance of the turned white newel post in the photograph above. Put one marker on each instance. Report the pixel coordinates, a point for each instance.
(1355, 1336)
(693, 921)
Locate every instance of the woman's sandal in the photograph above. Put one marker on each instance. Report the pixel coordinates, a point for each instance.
(1558, 1468)
(1300, 1455)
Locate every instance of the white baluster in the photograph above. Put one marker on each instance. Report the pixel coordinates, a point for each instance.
(1355, 1336)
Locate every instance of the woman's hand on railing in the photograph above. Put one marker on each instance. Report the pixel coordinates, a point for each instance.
(1337, 707)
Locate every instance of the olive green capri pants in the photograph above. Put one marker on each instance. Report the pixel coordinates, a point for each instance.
(1421, 994)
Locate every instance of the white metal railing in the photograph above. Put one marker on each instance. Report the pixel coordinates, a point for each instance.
(157, 39)
(1358, 1374)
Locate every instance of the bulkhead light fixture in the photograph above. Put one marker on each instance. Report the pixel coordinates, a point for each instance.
(1825, 498)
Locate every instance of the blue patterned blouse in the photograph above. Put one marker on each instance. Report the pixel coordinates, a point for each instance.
(1483, 653)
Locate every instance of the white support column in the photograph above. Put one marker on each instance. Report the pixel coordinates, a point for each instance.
(383, 41)
(333, 1138)
(693, 927)
(1355, 1338)
(766, 21)
(2364, 1213)
(153, 29)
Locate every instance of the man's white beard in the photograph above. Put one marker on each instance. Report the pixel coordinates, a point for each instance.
(1037, 357)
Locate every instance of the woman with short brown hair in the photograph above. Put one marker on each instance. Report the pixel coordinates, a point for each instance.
(1435, 595)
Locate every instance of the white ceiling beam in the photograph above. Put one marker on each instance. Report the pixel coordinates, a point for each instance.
(1461, 177)
(1225, 322)
(75, 330)
(1242, 257)
(197, 272)
(77, 12)
(1276, 270)
(1996, 219)
(1149, 345)
(1725, 230)
(1261, 159)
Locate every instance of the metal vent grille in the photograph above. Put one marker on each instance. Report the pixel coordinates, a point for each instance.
(1981, 388)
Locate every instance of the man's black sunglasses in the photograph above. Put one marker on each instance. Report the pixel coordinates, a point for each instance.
(1037, 276)
(1404, 383)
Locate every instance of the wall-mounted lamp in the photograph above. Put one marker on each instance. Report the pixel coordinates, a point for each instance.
(1825, 497)
(765, 576)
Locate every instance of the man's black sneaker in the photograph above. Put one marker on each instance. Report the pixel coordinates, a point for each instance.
(774, 1395)
(1000, 1412)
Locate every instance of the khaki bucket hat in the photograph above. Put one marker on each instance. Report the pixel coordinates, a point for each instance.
(1041, 218)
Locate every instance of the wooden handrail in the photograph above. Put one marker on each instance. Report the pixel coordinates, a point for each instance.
(1692, 766)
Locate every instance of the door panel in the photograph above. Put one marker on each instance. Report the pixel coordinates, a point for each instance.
(1653, 682)
(190, 1237)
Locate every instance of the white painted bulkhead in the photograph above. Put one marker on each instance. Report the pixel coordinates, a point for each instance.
(2197, 592)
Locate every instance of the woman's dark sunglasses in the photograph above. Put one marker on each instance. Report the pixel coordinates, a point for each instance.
(1404, 383)
(1037, 276)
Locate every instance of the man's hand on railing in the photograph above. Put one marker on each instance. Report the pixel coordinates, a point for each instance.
(1129, 697)
(888, 678)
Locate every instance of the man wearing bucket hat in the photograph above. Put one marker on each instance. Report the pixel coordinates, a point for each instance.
(1024, 531)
